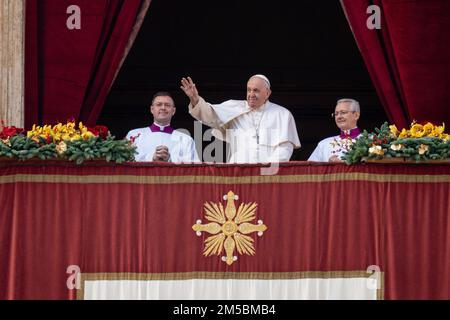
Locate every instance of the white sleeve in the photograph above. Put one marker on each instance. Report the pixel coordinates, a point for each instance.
(133, 133)
(282, 152)
(316, 155)
(189, 152)
(193, 152)
(204, 112)
(322, 153)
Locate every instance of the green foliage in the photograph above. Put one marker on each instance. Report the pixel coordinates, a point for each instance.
(414, 149)
(96, 148)
(23, 148)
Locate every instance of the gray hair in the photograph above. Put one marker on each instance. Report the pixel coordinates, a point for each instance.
(353, 104)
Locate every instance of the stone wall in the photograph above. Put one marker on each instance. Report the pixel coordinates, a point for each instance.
(12, 47)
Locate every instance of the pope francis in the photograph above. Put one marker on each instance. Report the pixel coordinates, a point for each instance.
(257, 130)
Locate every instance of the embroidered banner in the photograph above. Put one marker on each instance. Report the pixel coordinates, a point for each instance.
(309, 232)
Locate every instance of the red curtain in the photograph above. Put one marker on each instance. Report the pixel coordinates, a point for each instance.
(68, 73)
(137, 218)
(408, 59)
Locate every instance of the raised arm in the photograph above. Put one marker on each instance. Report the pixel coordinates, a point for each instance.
(189, 88)
(198, 107)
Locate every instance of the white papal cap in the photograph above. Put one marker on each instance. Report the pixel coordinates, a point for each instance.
(261, 76)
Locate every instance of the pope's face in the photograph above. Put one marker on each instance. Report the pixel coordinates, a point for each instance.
(344, 117)
(257, 92)
(163, 109)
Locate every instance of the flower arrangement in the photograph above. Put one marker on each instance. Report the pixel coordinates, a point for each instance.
(421, 142)
(67, 141)
(8, 132)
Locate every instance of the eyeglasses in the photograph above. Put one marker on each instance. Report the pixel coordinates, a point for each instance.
(163, 104)
(343, 113)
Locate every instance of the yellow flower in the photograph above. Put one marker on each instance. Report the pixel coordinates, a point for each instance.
(438, 131)
(417, 131)
(404, 133)
(423, 148)
(44, 136)
(75, 137)
(87, 134)
(428, 129)
(394, 130)
(376, 150)
(70, 125)
(56, 137)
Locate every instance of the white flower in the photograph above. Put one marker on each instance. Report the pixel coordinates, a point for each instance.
(397, 147)
(423, 148)
(376, 150)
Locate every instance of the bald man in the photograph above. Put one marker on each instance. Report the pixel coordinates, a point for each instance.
(257, 130)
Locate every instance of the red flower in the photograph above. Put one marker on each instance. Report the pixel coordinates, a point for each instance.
(8, 132)
(133, 138)
(101, 131)
(376, 140)
(48, 138)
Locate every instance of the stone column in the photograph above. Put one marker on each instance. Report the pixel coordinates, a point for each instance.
(12, 53)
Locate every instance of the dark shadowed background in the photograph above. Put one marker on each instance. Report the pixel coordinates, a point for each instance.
(305, 48)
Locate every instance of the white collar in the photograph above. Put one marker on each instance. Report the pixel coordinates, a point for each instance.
(161, 127)
(258, 110)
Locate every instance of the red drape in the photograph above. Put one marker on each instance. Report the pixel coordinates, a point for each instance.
(135, 218)
(408, 59)
(68, 73)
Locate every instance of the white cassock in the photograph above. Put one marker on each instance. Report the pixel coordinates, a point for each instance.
(332, 146)
(268, 134)
(181, 146)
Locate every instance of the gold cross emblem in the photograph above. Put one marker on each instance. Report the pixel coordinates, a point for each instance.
(229, 228)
